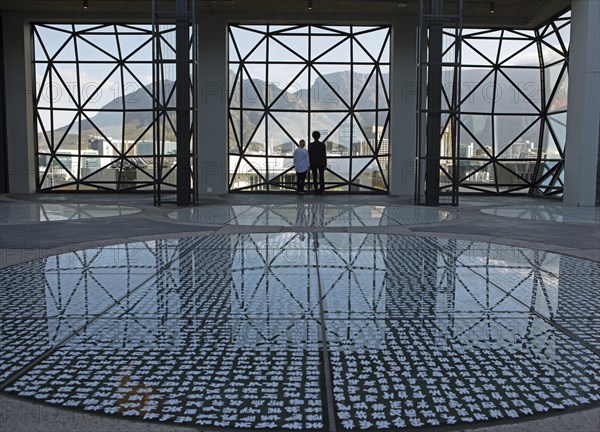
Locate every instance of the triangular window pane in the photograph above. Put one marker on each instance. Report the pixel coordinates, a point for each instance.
(327, 124)
(550, 55)
(136, 48)
(316, 30)
(338, 172)
(561, 97)
(235, 175)
(232, 51)
(235, 88)
(370, 177)
(282, 29)
(95, 93)
(288, 48)
(65, 136)
(42, 85)
(527, 57)
(341, 53)
(565, 35)
(254, 87)
(385, 52)
(295, 124)
(43, 130)
(52, 40)
(259, 54)
(373, 42)
(383, 86)
(550, 150)
(472, 47)
(473, 171)
(136, 97)
(358, 165)
(558, 123)
(381, 133)
(344, 134)
(295, 96)
(320, 44)
(514, 173)
(280, 77)
(245, 40)
(522, 95)
(295, 30)
(367, 99)
(280, 143)
(516, 129)
(551, 76)
(89, 48)
(234, 136)
(477, 90)
(253, 133)
(363, 137)
(63, 97)
(359, 54)
(478, 127)
(332, 90)
(256, 168)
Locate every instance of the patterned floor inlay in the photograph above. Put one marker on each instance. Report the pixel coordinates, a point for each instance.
(554, 213)
(35, 212)
(303, 331)
(312, 215)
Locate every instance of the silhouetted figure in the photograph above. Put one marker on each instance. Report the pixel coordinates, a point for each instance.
(301, 165)
(318, 161)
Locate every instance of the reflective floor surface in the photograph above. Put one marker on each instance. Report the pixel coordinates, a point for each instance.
(304, 331)
(12, 212)
(311, 214)
(554, 213)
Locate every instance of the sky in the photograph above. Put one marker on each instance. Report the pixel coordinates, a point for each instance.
(93, 74)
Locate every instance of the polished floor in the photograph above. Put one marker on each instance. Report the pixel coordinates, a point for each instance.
(301, 313)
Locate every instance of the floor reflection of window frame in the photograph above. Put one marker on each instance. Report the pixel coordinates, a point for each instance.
(526, 329)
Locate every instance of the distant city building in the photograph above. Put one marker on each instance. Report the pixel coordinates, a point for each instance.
(146, 148)
(346, 134)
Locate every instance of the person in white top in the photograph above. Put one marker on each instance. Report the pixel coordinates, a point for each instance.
(301, 165)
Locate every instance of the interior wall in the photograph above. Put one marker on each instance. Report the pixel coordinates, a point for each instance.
(3, 150)
(18, 96)
(581, 161)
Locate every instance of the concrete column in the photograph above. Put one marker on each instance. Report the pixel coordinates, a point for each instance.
(583, 120)
(19, 102)
(403, 106)
(212, 176)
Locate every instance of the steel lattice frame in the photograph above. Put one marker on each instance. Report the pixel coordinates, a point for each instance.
(517, 143)
(351, 104)
(64, 58)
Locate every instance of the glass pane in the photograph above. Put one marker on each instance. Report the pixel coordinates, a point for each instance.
(477, 90)
(561, 96)
(322, 44)
(518, 53)
(509, 129)
(558, 123)
(522, 94)
(473, 171)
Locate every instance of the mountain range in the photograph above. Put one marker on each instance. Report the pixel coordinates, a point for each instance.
(508, 100)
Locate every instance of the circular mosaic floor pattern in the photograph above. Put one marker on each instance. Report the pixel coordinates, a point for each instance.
(582, 215)
(11, 212)
(231, 331)
(314, 214)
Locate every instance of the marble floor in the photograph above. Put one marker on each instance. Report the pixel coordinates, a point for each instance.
(298, 313)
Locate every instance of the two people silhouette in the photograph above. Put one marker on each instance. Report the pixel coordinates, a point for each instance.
(315, 158)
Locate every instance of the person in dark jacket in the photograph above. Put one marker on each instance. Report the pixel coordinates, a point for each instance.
(318, 161)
